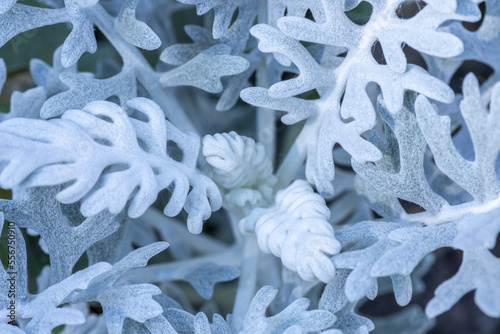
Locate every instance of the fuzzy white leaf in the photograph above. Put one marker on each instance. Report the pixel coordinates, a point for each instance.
(104, 142)
(133, 31)
(295, 314)
(240, 166)
(197, 73)
(297, 230)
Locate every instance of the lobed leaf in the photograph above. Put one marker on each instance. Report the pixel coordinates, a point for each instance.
(102, 140)
(295, 314)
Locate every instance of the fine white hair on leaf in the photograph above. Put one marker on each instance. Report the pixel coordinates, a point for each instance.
(297, 230)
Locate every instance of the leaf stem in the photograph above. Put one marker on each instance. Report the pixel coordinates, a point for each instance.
(451, 213)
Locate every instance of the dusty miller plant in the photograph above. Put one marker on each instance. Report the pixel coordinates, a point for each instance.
(325, 173)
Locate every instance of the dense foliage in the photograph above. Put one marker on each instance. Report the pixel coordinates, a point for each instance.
(290, 160)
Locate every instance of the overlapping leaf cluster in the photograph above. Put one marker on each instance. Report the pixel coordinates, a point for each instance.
(93, 157)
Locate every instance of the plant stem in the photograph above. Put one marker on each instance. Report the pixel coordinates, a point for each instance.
(266, 134)
(234, 219)
(247, 282)
(266, 120)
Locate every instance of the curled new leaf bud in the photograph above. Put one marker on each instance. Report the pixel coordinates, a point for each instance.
(296, 229)
(240, 166)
